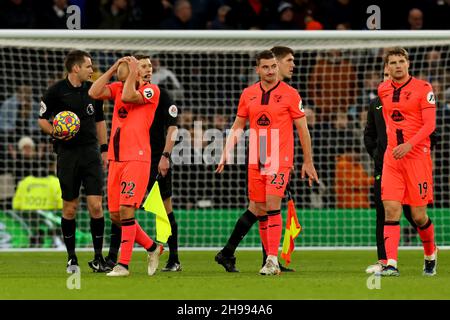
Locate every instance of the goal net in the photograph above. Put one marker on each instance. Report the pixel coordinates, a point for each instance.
(337, 74)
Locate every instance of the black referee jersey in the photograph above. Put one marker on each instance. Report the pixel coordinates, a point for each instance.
(166, 115)
(62, 96)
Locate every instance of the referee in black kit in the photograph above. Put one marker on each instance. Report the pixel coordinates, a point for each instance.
(82, 159)
(162, 139)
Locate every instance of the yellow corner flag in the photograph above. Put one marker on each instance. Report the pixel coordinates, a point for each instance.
(293, 229)
(155, 204)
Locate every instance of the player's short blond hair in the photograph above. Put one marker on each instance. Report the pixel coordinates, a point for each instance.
(395, 51)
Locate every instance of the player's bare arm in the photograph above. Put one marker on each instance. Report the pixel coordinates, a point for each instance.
(164, 162)
(235, 133)
(98, 89)
(305, 140)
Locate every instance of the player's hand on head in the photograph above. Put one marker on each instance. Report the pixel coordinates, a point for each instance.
(133, 64)
(119, 61)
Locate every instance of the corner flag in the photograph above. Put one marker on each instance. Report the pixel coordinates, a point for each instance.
(155, 204)
(293, 229)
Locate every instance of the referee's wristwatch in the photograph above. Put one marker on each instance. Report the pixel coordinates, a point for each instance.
(166, 155)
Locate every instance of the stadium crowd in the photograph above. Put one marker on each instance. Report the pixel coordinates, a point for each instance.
(226, 14)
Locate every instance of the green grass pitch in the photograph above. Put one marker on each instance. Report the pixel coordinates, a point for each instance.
(320, 275)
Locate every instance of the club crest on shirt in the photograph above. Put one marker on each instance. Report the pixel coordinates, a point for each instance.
(431, 98)
(397, 116)
(173, 111)
(407, 94)
(90, 109)
(263, 120)
(123, 113)
(43, 108)
(277, 97)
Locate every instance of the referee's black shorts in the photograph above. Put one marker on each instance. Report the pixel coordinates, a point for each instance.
(165, 183)
(79, 165)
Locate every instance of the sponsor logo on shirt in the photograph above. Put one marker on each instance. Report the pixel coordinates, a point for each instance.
(397, 116)
(300, 106)
(263, 121)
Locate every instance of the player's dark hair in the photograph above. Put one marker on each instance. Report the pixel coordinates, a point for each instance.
(75, 57)
(280, 52)
(266, 54)
(141, 56)
(395, 51)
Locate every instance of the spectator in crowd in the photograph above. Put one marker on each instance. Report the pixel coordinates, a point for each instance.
(251, 14)
(204, 11)
(339, 13)
(220, 21)
(16, 14)
(285, 18)
(18, 115)
(434, 66)
(310, 197)
(332, 137)
(54, 17)
(182, 17)
(370, 87)
(332, 84)
(415, 19)
(27, 112)
(38, 199)
(114, 15)
(352, 183)
(26, 159)
(162, 76)
(144, 14)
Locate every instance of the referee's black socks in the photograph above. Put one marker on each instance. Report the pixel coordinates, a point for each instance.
(68, 230)
(97, 232)
(242, 227)
(172, 242)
